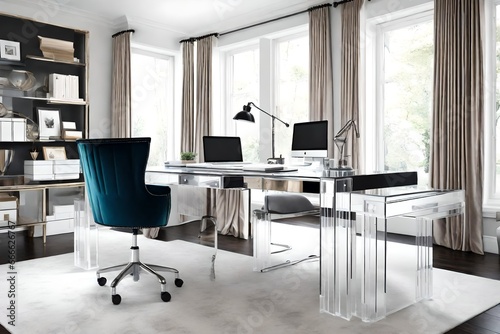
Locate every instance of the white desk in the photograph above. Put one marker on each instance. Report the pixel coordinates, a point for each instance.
(341, 197)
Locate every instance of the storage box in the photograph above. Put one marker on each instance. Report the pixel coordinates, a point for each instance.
(5, 129)
(46, 170)
(8, 210)
(18, 129)
(38, 170)
(70, 166)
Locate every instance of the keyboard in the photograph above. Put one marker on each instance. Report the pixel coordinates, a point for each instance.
(235, 163)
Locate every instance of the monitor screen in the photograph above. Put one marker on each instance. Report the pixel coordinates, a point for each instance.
(222, 149)
(310, 140)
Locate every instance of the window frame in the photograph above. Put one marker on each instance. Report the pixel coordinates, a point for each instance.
(491, 196)
(173, 127)
(266, 45)
(375, 59)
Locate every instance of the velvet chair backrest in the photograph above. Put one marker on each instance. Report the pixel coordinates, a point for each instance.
(114, 171)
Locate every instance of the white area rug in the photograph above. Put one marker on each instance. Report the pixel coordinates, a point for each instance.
(54, 296)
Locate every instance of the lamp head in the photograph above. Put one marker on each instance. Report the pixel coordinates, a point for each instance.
(245, 114)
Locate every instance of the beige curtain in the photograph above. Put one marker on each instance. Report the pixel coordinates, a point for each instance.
(187, 123)
(457, 142)
(320, 69)
(122, 96)
(228, 204)
(204, 48)
(349, 90)
(121, 86)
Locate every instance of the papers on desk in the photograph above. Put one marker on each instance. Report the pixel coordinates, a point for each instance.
(263, 167)
(174, 164)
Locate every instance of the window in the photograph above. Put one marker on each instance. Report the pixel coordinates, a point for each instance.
(292, 88)
(492, 107)
(275, 70)
(243, 87)
(402, 89)
(153, 104)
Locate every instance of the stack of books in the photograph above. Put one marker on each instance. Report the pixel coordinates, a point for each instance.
(57, 49)
(70, 132)
(64, 87)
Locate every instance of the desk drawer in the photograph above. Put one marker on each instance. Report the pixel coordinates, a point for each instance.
(205, 181)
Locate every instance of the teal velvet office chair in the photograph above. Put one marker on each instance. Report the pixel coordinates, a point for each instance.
(114, 177)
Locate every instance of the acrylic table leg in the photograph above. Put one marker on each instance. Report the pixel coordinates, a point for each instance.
(261, 240)
(424, 258)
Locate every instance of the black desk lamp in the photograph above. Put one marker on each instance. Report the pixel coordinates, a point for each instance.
(246, 115)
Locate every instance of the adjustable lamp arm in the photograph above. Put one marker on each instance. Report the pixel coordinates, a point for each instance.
(346, 128)
(341, 141)
(268, 114)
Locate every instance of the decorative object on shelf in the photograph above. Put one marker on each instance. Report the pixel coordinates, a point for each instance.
(49, 123)
(34, 153)
(21, 79)
(188, 157)
(57, 49)
(54, 153)
(6, 157)
(246, 116)
(10, 50)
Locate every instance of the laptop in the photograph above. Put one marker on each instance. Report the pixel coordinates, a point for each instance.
(223, 150)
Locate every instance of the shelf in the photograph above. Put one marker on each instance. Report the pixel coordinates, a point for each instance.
(50, 60)
(59, 101)
(19, 94)
(9, 63)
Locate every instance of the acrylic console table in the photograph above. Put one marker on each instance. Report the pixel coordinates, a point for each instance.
(364, 274)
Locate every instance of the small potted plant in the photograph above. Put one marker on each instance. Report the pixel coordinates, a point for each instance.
(188, 157)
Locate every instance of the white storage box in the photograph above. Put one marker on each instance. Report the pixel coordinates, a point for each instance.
(5, 129)
(18, 129)
(70, 166)
(8, 210)
(12, 129)
(38, 170)
(46, 170)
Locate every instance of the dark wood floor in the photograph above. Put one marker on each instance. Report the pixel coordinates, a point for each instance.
(487, 265)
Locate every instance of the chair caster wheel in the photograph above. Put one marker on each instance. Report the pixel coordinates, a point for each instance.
(178, 282)
(102, 281)
(165, 296)
(116, 299)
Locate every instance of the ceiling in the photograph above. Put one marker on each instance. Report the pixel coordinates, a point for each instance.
(188, 18)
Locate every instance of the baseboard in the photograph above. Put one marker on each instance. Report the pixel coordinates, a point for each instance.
(490, 244)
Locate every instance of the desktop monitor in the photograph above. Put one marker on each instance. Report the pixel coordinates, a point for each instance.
(222, 149)
(310, 140)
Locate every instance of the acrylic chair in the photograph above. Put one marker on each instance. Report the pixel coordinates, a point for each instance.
(281, 205)
(114, 171)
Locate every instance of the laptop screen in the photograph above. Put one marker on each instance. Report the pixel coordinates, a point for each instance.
(222, 149)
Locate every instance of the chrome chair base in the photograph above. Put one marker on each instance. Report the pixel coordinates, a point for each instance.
(134, 267)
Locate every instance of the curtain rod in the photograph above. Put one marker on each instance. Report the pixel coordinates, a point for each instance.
(192, 39)
(122, 32)
(335, 4)
(276, 19)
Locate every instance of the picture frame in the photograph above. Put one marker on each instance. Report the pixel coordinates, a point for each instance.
(49, 123)
(10, 50)
(54, 153)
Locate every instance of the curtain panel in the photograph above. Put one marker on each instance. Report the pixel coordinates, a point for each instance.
(187, 117)
(320, 70)
(349, 91)
(121, 87)
(457, 129)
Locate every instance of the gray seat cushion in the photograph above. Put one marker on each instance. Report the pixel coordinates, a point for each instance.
(287, 203)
